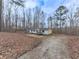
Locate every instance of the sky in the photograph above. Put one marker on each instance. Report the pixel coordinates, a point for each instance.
(49, 6)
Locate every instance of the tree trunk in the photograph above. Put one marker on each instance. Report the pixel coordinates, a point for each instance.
(0, 13)
(23, 19)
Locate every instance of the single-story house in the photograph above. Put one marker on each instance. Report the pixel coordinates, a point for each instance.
(44, 31)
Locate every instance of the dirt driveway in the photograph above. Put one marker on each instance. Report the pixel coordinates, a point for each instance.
(51, 48)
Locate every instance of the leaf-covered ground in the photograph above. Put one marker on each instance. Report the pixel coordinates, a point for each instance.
(13, 45)
(73, 45)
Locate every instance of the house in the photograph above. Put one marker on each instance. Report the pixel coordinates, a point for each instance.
(47, 31)
(44, 31)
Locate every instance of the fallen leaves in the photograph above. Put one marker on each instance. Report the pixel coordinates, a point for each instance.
(73, 45)
(14, 44)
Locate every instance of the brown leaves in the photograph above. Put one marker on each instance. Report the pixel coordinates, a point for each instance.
(14, 44)
(73, 44)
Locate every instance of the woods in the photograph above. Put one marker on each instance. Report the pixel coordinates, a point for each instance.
(17, 17)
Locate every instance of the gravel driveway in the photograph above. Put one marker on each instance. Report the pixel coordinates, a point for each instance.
(51, 48)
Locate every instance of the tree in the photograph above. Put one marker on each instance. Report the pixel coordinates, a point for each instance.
(37, 14)
(23, 19)
(76, 21)
(19, 2)
(9, 17)
(41, 20)
(0, 13)
(16, 18)
(60, 15)
(28, 15)
(50, 22)
(72, 17)
(76, 16)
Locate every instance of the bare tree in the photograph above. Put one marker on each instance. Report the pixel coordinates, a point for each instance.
(29, 18)
(50, 22)
(19, 2)
(76, 21)
(0, 13)
(42, 20)
(37, 15)
(24, 19)
(16, 18)
(9, 18)
(71, 18)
